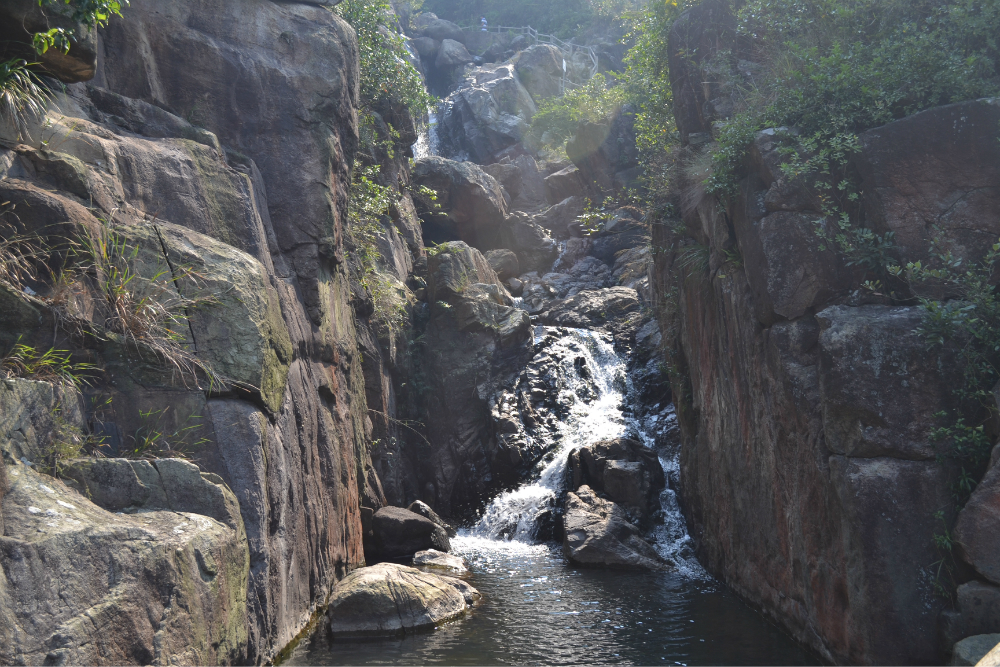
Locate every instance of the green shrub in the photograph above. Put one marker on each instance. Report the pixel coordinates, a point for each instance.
(91, 13)
(558, 117)
(55, 366)
(23, 97)
(387, 77)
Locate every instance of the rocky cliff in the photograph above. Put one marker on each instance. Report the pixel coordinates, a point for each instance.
(212, 147)
(811, 479)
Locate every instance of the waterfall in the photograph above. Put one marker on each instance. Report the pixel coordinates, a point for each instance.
(514, 513)
(427, 143)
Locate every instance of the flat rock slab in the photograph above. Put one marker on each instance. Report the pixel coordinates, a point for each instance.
(387, 600)
(435, 558)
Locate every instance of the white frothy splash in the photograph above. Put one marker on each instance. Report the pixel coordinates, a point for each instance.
(514, 513)
(427, 141)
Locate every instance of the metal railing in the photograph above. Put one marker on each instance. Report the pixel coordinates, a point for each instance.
(567, 48)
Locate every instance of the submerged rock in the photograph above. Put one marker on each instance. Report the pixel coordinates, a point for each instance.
(435, 558)
(598, 532)
(391, 600)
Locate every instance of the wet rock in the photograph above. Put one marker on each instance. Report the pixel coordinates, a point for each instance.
(400, 533)
(387, 600)
(504, 262)
(434, 558)
(613, 309)
(488, 112)
(598, 533)
(179, 591)
(978, 525)
(451, 54)
(424, 510)
(971, 650)
(475, 343)
(625, 471)
(563, 184)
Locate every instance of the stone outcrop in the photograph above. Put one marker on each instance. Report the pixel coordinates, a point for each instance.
(809, 475)
(181, 149)
(178, 592)
(388, 600)
(598, 533)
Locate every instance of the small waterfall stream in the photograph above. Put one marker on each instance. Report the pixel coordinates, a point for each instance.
(590, 419)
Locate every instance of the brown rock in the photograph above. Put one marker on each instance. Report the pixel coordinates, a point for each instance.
(937, 171)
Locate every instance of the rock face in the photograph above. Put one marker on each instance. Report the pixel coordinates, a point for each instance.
(475, 343)
(598, 533)
(179, 592)
(183, 144)
(388, 600)
(400, 533)
(809, 474)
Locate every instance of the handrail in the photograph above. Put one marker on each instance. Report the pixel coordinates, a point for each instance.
(543, 38)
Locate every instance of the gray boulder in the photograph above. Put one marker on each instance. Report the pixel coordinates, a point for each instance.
(977, 528)
(625, 471)
(429, 25)
(488, 112)
(599, 533)
(426, 48)
(435, 558)
(470, 203)
(563, 184)
(539, 68)
(973, 650)
(504, 262)
(559, 218)
(400, 533)
(388, 600)
(452, 54)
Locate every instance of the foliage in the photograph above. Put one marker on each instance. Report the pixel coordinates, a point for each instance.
(154, 439)
(834, 68)
(593, 219)
(387, 77)
(22, 95)
(148, 311)
(558, 117)
(91, 13)
(55, 366)
(369, 204)
(19, 255)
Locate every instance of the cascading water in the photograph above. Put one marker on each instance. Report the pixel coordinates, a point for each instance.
(601, 372)
(427, 143)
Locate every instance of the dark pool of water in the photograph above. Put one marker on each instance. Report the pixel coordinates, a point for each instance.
(537, 609)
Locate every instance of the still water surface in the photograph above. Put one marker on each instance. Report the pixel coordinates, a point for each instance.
(537, 609)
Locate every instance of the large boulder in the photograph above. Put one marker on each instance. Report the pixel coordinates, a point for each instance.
(625, 471)
(451, 54)
(178, 591)
(560, 218)
(470, 203)
(598, 533)
(973, 650)
(488, 112)
(602, 150)
(439, 559)
(388, 600)
(539, 68)
(400, 533)
(563, 184)
(424, 510)
(505, 263)
(429, 25)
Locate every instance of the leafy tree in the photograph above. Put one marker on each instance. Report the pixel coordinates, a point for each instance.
(91, 13)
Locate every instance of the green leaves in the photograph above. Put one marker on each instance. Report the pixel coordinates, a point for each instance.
(91, 13)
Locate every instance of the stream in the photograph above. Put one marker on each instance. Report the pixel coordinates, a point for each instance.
(537, 608)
